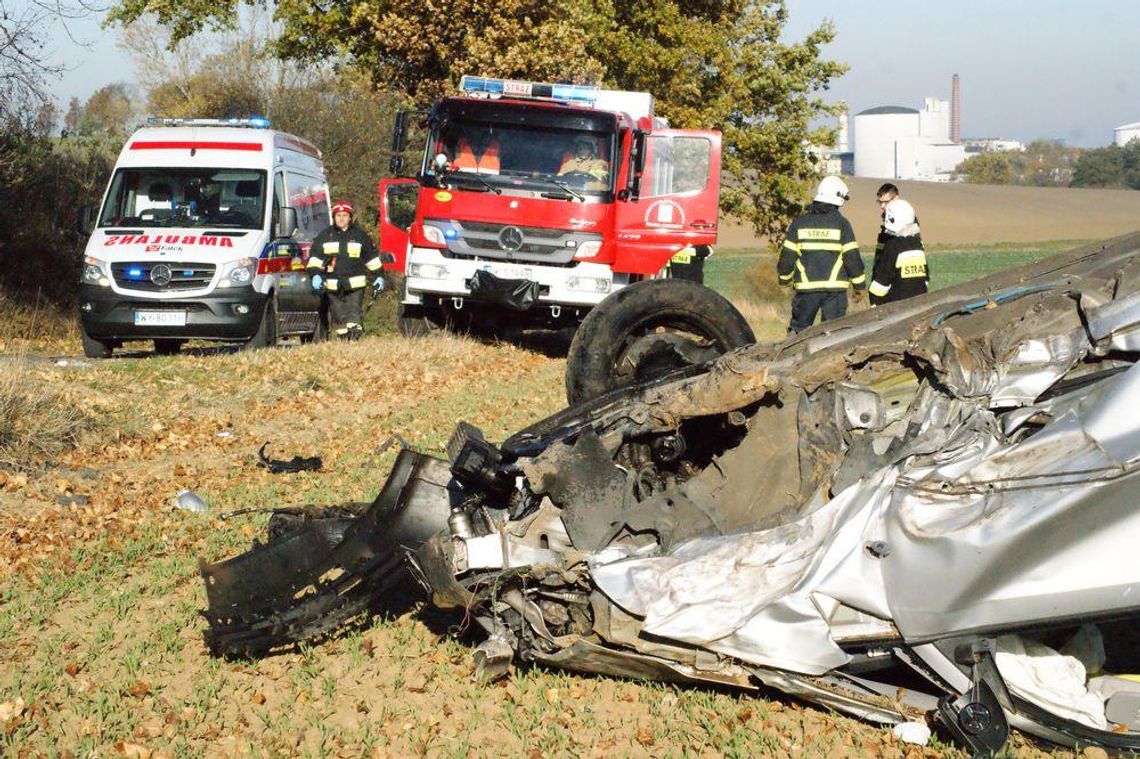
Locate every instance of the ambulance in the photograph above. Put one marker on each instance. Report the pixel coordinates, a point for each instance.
(203, 234)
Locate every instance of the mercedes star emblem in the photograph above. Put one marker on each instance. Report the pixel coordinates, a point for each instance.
(511, 239)
(161, 275)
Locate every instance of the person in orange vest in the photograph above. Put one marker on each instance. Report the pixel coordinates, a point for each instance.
(479, 154)
(585, 160)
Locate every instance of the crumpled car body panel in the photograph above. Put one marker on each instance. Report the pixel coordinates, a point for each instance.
(935, 486)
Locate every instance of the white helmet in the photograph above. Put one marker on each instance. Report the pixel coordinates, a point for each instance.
(832, 190)
(897, 216)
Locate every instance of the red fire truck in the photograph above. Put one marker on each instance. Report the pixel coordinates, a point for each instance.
(533, 202)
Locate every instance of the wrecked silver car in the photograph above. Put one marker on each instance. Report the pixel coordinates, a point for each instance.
(925, 511)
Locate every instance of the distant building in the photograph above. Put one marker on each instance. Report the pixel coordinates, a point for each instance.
(992, 145)
(837, 159)
(1127, 133)
(893, 142)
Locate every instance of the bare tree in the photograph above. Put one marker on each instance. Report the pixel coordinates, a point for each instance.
(24, 53)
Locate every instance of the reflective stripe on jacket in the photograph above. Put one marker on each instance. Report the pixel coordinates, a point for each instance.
(820, 252)
(900, 270)
(347, 257)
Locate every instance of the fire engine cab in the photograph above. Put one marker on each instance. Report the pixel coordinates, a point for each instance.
(533, 202)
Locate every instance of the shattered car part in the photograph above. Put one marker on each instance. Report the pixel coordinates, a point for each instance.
(295, 464)
(314, 578)
(923, 489)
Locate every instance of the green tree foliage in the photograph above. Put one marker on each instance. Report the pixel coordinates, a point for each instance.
(43, 182)
(987, 168)
(110, 110)
(1111, 166)
(1043, 163)
(715, 65)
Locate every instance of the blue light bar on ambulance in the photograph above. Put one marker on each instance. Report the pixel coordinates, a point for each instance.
(253, 122)
(586, 94)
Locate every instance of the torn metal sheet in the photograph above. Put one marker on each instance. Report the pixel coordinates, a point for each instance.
(914, 491)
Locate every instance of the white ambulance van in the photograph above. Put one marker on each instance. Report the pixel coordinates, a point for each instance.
(204, 233)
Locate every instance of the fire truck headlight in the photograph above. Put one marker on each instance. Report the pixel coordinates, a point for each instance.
(589, 284)
(95, 273)
(238, 273)
(588, 249)
(434, 235)
(427, 271)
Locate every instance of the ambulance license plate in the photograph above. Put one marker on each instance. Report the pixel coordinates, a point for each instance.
(160, 318)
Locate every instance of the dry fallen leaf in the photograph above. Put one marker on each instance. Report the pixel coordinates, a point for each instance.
(132, 750)
(139, 689)
(258, 698)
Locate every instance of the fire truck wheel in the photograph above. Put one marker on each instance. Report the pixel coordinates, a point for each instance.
(93, 348)
(649, 329)
(266, 334)
(416, 321)
(167, 347)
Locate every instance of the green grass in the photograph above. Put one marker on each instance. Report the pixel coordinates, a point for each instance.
(746, 276)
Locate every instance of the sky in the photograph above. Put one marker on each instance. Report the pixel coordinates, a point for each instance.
(1029, 68)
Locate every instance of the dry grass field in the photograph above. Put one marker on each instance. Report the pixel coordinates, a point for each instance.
(965, 215)
(100, 642)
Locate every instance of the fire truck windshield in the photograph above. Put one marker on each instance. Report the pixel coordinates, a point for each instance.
(169, 197)
(525, 157)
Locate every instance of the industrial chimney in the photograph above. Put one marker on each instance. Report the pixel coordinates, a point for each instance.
(955, 112)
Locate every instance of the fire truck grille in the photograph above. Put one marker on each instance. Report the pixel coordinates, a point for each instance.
(162, 276)
(510, 242)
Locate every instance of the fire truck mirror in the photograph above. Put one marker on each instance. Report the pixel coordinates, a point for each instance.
(636, 166)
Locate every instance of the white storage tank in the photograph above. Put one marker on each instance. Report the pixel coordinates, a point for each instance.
(1127, 133)
(884, 141)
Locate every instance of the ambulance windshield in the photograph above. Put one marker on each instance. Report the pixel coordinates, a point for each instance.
(158, 197)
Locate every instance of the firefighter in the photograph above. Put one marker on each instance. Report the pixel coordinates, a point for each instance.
(585, 160)
(900, 268)
(887, 192)
(820, 258)
(342, 262)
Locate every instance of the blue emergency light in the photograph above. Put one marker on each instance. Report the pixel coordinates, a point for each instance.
(134, 272)
(450, 233)
(569, 93)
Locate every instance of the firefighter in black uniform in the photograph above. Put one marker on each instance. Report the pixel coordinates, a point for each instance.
(343, 261)
(885, 194)
(900, 268)
(820, 258)
(689, 263)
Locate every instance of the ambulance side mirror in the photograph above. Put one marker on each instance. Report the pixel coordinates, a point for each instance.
(87, 217)
(286, 222)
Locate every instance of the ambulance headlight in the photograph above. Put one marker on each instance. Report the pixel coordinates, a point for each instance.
(428, 271)
(95, 272)
(238, 273)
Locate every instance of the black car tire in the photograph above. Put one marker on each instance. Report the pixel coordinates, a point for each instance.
(93, 348)
(647, 330)
(415, 321)
(266, 334)
(167, 346)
